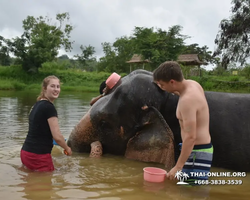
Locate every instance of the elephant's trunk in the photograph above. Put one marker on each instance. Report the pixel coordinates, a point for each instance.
(82, 135)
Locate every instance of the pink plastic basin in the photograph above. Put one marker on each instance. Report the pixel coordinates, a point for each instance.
(112, 80)
(154, 174)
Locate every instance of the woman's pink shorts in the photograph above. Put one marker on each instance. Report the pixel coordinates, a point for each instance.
(37, 162)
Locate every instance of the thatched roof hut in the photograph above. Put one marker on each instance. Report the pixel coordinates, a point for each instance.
(190, 59)
(137, 59)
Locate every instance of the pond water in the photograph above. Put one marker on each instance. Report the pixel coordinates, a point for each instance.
(80, 177)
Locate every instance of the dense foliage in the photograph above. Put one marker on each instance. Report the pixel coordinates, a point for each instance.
(155, 45)
(43, 37)
(15, 78)
(40, 41)
(36, 50)
(232, 41)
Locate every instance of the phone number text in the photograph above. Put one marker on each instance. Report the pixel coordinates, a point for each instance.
(218, 182)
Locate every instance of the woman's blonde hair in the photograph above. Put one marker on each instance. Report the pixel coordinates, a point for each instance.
(45, 84)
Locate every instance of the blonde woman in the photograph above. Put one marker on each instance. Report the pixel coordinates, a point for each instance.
(43, 128)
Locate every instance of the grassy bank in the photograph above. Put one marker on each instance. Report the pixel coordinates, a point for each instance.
(14, 78)
(224, 83)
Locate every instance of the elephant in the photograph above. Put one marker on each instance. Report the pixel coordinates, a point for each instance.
(137, 119)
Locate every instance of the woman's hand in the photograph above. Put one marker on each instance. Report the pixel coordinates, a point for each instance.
(68, 151)
(57, 136)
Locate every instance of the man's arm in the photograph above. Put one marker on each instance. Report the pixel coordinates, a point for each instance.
(96, 99)
(106, 90)
(188, 133)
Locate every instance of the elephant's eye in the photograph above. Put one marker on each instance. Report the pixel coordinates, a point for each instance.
(105, 125)
(102, 123)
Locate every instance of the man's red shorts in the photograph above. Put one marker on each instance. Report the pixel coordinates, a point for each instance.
(37, 162)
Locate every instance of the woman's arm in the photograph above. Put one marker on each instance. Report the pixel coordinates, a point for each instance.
(56, 133)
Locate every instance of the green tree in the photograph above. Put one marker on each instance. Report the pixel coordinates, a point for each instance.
(107, 62)
(143, 40)
(124, 50)
(246, 71)
(5, 59)
(160, 45)
(232, 40)
(63, 57)
(41, 40)
(175, 42)
(86, 57)
(204, 54)
(156, 45)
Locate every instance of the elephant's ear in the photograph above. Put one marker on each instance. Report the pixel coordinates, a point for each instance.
(154, 142)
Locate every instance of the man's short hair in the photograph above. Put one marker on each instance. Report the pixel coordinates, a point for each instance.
(102, 86)
(167, 71)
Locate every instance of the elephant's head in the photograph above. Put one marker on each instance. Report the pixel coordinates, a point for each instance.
(129, 121)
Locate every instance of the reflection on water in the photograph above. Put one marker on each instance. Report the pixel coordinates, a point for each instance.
(80, 177)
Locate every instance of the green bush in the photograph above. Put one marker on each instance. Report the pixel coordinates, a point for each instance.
(14, 78)
(209, 86)
(19, 85)
(6, 84)
(52, 66)
(202, 80)
(219, 71)
(246, 71)
(234, 78)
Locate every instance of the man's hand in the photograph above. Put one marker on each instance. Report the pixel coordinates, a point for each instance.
(106, 90)
(171, 174)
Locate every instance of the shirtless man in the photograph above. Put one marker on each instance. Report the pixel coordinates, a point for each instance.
(193, 115)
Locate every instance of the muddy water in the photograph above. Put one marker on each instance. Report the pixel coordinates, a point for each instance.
(80, 177)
